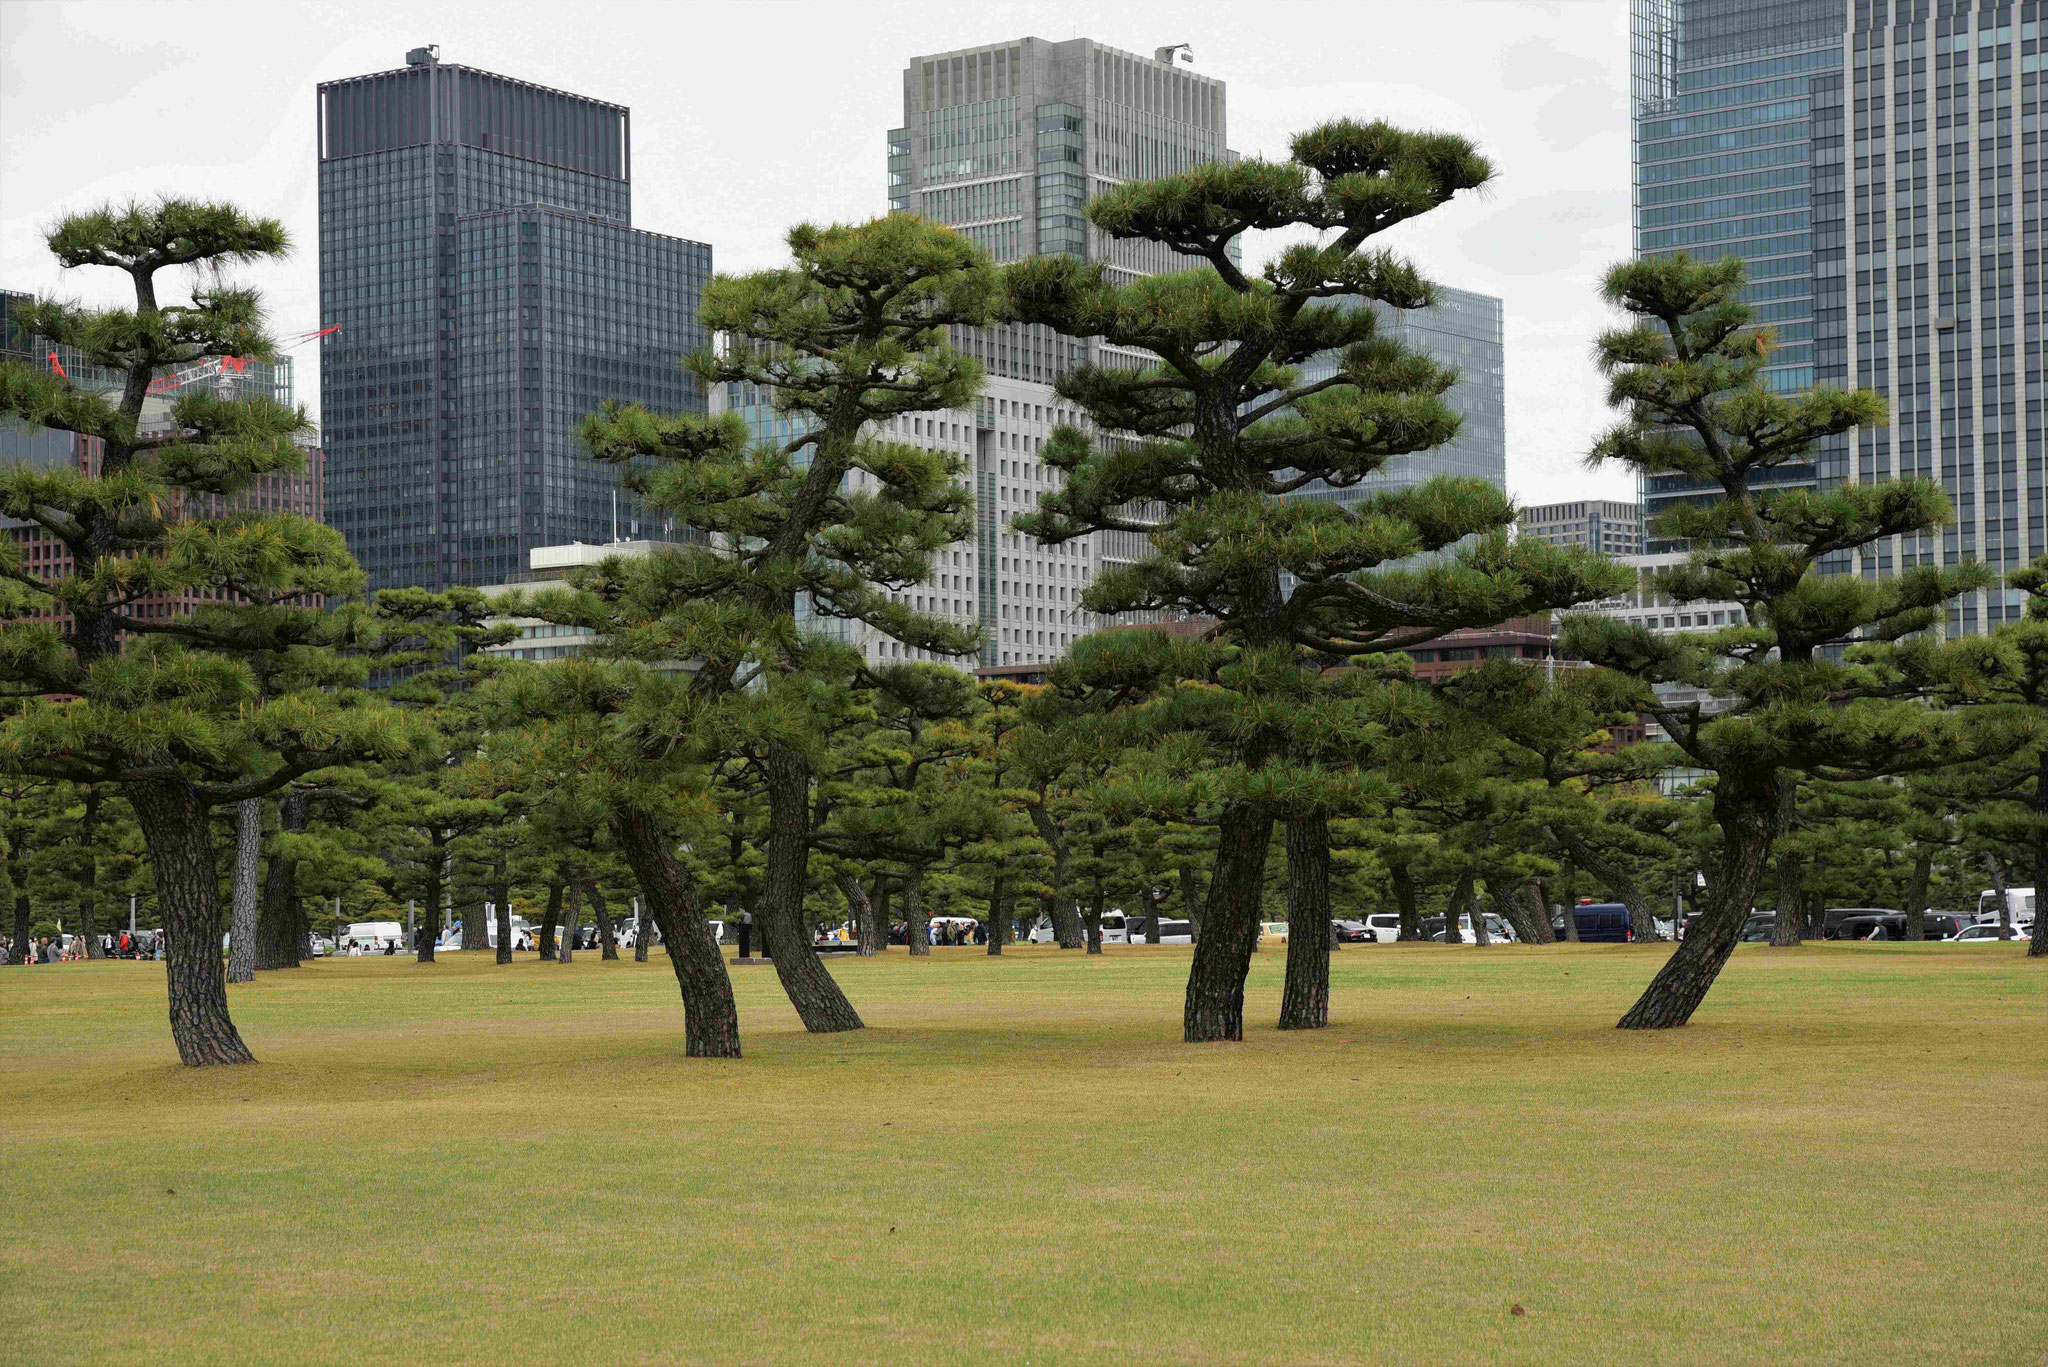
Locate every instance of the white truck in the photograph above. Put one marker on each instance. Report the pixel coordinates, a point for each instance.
(2019, 901)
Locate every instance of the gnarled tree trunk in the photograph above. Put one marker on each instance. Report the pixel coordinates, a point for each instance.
(1305, 1000)
(819, 1003)
(242, 928)
(860, 909)
(1747, 810)
(280, 920)
(179, 834)
(1527, 912)
(711, 1021)
(1214, 1008)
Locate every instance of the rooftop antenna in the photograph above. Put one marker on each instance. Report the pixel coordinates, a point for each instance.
(1166, 54)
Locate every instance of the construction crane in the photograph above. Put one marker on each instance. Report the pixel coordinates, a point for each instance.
(219, 366)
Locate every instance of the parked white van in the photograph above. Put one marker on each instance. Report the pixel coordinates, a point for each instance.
(2020, 901)
(371, 934)
(1384, 925)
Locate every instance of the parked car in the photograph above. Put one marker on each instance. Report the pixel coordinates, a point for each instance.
(1834, 919)
(1273, 930)
(1171, 931)
(2019, 902)
(322, 946)
(1599, 923)
(1980, 934)
(1350, 933)
(1385, 926)
(1497, 929)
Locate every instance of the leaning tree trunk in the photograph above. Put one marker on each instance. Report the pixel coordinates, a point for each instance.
(279, 917)
(1461, 897)
(1642, 918)
(242, 927)
(572, 923)
(1067, 930)
(1521, 906)
(920, 935)
(1403, 879)
(607, 936)
(998, 914)
(1916, 894)
(1214, 1008)
(501, 900)
(1747, 812)
(711, 1021)
(860, 909)
(179, 835)
(1305, 1000)
(551, 919)
(1094, 921)
(819, 1003)
(1482, 933)
(1191, 899)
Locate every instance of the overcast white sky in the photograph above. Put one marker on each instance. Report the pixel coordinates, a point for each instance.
(750, 116)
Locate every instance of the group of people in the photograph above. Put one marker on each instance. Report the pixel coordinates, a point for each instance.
(51, 949)
(942, 933)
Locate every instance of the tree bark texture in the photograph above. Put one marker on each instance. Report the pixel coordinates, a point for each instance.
(278, 914)
(476, 924)
(643, 931)
(998, 914)
(429, 931)
(501, 900)
(1461, 897)
(1789, 929)
(1214, 1008)
(19, 953)
(177, 830)
(551, 919)
(1747, 810)
(920, 935)
(1094, 921)
(1067, 930)
(1482, 934)
(242, 926)
(711, 1021)
(607, 934)
(89, 876)
(572, 922)
(1916, 894)
(1403, 879)
(819, 1002)
(860, 909)
(1524, 909)
(1305, 999)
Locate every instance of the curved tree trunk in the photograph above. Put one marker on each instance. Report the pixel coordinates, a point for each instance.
(1642, 918)
(572, 923)
(711, 1021)
(501, 899)
(1403, 879)
(1305, 1000)
(1482, 934)
(607, 935)
(860, 909)
(1461, 897)
(819, 1003)
(1748, 816)
(242, 927)
(279, 917)
(998, 914)
(1533, 924)
(1094, 920)
(1214, 1008)
(551, 919)
(179, 835)
(920, 935)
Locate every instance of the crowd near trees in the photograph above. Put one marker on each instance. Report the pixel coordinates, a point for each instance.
(293, 750)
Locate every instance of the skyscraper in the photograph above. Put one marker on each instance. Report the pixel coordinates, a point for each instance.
(476, 253)
(1878, 164)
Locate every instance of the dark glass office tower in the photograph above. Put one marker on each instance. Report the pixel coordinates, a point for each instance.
(477, 254)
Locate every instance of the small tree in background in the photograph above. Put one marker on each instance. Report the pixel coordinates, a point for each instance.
(1686, 376)
(170, 711)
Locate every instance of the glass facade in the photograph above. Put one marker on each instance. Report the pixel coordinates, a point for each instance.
(421, 259)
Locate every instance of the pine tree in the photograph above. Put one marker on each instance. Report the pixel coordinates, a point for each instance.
(1201, 445)
(1686, 374)
(170, 712)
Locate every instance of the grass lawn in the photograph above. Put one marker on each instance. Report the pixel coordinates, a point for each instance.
(1019, 1160)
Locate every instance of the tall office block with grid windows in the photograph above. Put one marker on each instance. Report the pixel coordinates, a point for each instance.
(476, 253)
(1879, 165)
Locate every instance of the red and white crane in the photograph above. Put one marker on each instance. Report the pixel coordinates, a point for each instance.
(219, 365)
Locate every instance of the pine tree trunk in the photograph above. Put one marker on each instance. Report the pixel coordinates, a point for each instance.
(1747, 811)
(607, 936)
(1570, 874)
(1482, 934)
(1916, 894)
(1191, 899)
(279, 917)
(819, 1003)
(2002, 886)
(1641, 917)
(1094, 921)
(998, 915)
(1068, 930)
(572, 922)
(1214, 1009)
(242, 926)
(179, 835)
(89, 876)
(1305, 1000)
(1525, 911)
(643, 931)
(884, 920)
(860, 909)
(476, 925)
(913, 911)
(1403, 879)
(551, 918)
(429, 930)
(711, 1022)
(1789, 929)
(17, 873)
(1461, 897)
(501, 897)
